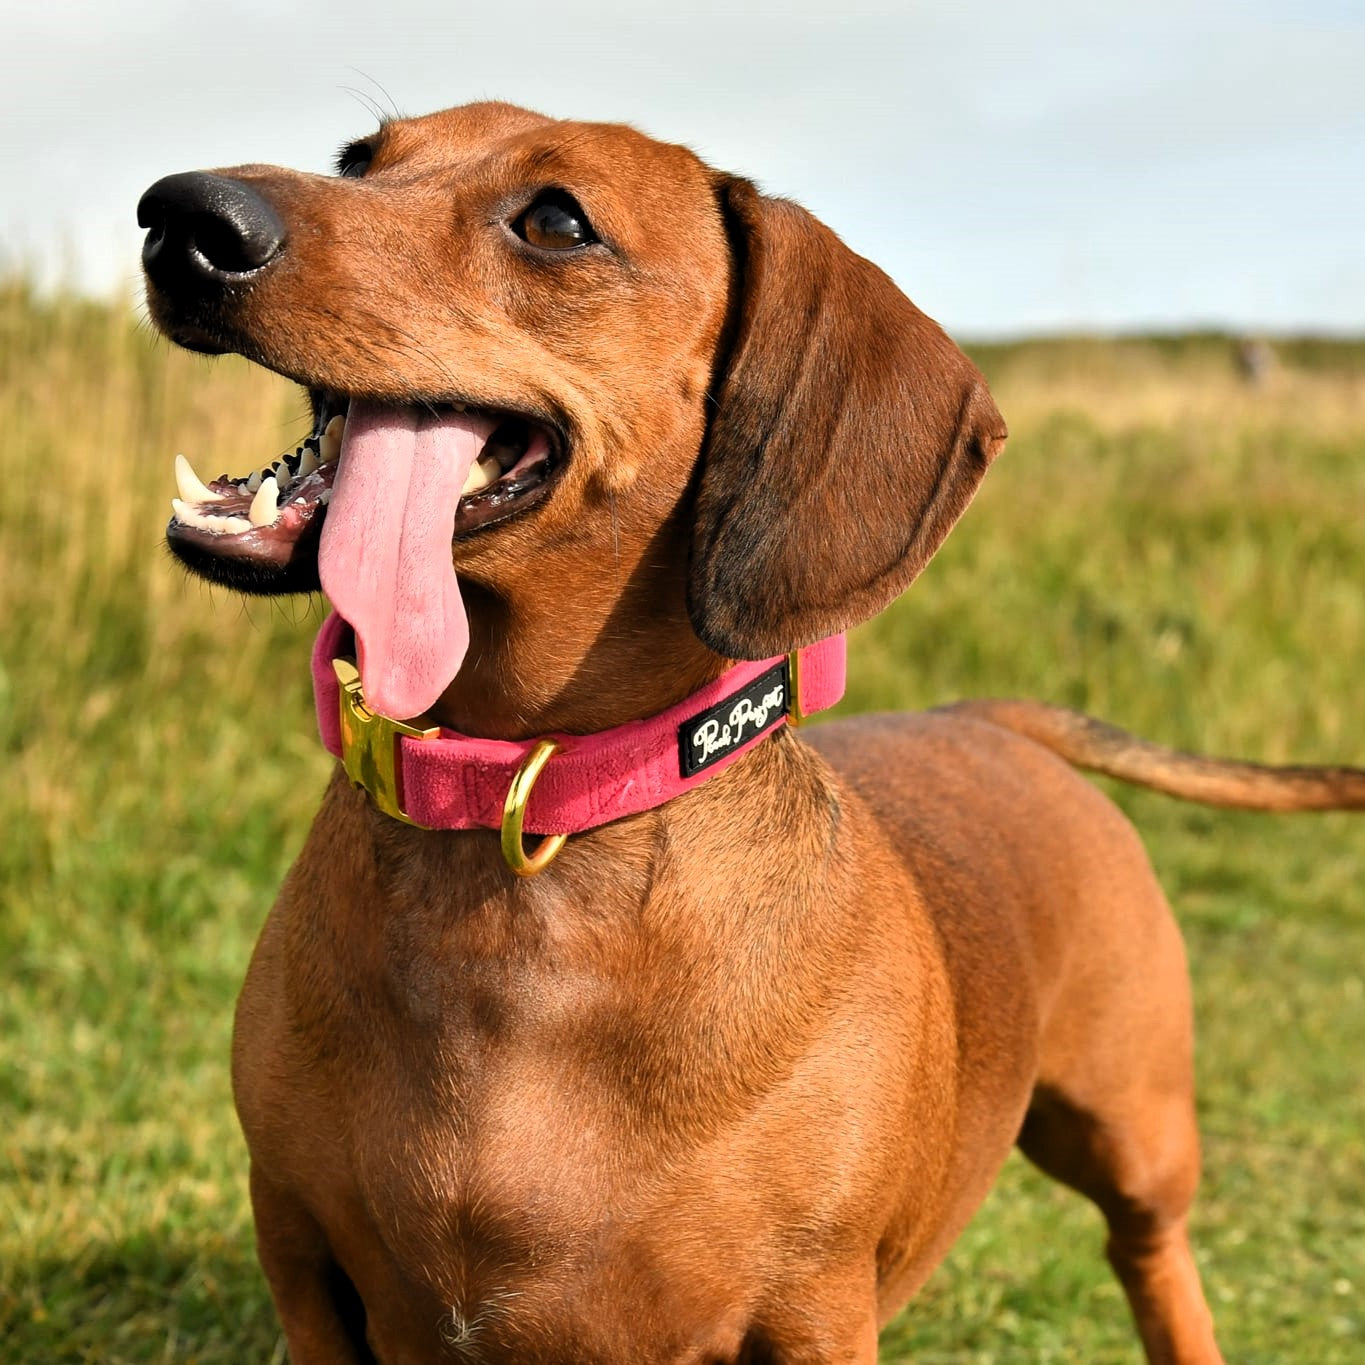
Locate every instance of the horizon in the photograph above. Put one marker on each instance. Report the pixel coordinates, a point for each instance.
(59, 291)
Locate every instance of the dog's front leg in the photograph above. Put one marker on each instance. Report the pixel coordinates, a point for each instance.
(319, 1308)
(826, 1319)
(860, 1346)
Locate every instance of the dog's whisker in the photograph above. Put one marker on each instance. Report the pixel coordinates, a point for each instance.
(395, 115)
(365, 100)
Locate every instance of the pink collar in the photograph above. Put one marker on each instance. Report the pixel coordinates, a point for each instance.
(443, 780)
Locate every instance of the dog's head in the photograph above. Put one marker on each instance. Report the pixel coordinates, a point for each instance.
(633, 396)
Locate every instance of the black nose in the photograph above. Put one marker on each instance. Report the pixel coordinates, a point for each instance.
(206, 228)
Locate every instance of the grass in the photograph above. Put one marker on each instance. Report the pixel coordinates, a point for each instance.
(1161, 545)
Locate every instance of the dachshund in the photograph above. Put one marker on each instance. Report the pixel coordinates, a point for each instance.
(608, 449)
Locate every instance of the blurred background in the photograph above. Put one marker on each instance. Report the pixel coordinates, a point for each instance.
(1143, 221)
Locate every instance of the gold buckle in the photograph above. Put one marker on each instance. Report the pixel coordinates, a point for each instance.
(369, 744)
(514, 812)
(795, 715)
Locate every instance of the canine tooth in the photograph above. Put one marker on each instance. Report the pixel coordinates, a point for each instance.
(480, 476)
(265, 506)
(329, 444)
(192, 488)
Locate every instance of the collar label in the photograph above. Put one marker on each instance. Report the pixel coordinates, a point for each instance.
(707, 738)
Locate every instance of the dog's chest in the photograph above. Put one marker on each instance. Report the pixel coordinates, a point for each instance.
(525, 1116)
(533, 1216)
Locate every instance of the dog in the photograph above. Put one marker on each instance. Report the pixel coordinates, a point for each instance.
(608, 448)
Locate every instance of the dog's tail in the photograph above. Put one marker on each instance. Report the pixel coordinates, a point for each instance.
(1092, 744)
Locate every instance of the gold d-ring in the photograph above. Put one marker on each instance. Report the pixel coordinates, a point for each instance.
(514, 811)
(795, 715)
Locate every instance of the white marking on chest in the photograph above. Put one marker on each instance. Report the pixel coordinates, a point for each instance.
(463, 1333)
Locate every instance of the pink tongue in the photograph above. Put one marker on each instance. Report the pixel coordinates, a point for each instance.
(385, 552)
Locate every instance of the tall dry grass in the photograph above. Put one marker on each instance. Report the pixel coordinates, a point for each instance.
(101, 628)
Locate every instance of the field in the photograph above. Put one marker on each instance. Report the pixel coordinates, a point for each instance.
(1162, 544)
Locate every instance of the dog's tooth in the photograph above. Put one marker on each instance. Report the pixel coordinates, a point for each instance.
(188, 515)
(265, 506)
(329, 444)
(325, 497)
(308, 462)
(192, 488)
(480, 476)
(253, 480)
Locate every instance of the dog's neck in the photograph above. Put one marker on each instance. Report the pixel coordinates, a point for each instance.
(539, 663)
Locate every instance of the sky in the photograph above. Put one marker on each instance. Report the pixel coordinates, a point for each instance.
(1016, 167)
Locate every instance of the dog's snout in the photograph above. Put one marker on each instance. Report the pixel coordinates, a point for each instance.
(205, 228)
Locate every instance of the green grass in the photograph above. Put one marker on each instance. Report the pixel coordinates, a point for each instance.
(1159, 544)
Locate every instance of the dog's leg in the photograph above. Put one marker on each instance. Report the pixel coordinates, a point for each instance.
(1156, 1267)
(1141, 1168)
(863, 1349)
(859, 1349)
(320, 1311)
(831, 1320)
(1113, 1117)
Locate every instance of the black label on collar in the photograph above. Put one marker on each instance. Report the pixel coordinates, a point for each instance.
(720, 730)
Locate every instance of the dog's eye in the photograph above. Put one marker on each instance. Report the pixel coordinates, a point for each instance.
(354, 160)
(555, 222)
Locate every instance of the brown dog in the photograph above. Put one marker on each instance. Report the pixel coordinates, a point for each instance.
(726, 1080)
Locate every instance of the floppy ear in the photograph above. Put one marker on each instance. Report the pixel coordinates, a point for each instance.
(849, 435)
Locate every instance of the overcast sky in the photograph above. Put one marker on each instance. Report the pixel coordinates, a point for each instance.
(1046, 165)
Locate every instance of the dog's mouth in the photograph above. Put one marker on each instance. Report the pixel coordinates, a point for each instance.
(259, 532)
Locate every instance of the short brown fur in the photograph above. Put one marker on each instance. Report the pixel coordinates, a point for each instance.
(724, 1083)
